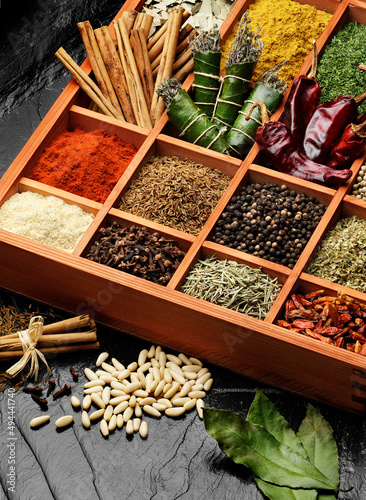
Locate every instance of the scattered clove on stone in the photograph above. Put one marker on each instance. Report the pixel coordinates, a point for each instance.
(66, 389)
(74, 373)
(137, 251)
(51, 386)
(37, 390)
(42, 402)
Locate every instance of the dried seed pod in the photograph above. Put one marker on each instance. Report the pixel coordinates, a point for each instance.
(38, 421)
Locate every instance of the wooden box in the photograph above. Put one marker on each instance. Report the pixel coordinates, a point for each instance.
(164, 315)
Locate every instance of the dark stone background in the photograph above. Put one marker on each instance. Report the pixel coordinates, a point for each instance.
(178, 459)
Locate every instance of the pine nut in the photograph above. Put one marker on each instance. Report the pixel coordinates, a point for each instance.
(140, 393)
(197, 394)
(120, 420)
(129, 427)
(154, 384)
(143, 429)
(180, 401)
(167, 376)
(147, 401)
(151, 352)
(200, 405)
(135, 378)
(132, 401)
(159, 388)
(197, 387)
(124, 374)
(118, 366)
(64, 421)
(37, 421)
(174, 359)
(175, 367)
(165, 402)
(104, 428)
(207, 385)
(142, 357)
(120, 408)
(101, 373)
(75, 402)
(85, 420)
(106, 395)
(138, 411)
(119, 399)
(157, 352)
(178, 378)
(196, 361)
(136, 424)
(184, 359)
(149, 382)
(118, 386)
(190, 404)
(169, 394)
(116, 374)
(159, 406)
(127, 414)
(97, 400)
(190, 375)
(90, 374)
(203, 371)
(156, 374)
(155, 363)
(107, 378)
(112, 424)
(108, 367)
(94, 383)
(116, 393)
(132, 366)
(96, 414)
(203, 378)
(133, 386)
(187, 387)
(145, 367)
(162, 358)
(191, 368)
(175, 411)
(87, 401)
(142, 378)
(150, 410)
(92, 390)
(108, 413)
(103, 356)
(167, 387)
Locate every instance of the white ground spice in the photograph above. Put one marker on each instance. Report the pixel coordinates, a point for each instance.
(46, 219)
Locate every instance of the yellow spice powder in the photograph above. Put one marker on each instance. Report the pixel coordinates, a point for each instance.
(287, 32)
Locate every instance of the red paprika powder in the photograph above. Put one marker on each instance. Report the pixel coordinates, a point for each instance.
(87, 164)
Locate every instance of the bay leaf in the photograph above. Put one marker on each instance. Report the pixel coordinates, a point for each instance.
(263, 412)
(318, 439)
(274, 492)
(253, 446)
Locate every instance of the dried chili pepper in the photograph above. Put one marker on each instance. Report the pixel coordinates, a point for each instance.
(348, 147)
(302, 100)
(328, 123)
(283, 151)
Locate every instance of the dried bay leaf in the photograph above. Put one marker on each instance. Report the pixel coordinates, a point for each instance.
(256, 448)
(317, 437)
(263, 412)
(274, 492)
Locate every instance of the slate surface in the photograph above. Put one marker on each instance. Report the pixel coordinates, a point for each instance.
(178, 459)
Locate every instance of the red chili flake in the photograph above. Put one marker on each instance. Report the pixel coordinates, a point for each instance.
(297, 301)
(317, 336)
(345, 317)
(328, 331)
(302, 324)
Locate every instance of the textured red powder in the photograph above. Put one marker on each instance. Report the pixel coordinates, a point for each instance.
(84, 163)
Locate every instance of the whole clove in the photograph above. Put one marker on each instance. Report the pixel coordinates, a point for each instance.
(137, 251)
(42, 402)
(37, 390)
(51, 386)
(74, 373)
(66, 389)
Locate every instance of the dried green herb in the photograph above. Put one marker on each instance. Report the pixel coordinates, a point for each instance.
(177, 192)
(230, 284)
(338, 71)
(341, 256)
(302, 466)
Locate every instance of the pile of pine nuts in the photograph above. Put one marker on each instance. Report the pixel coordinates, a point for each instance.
(156, 384)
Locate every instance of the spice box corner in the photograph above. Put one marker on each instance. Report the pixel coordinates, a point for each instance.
(257, 348)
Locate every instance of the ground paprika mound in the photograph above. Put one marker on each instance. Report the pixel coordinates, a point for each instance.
(87, 164)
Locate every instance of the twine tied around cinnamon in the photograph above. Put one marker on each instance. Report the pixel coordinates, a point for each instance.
(29, 339)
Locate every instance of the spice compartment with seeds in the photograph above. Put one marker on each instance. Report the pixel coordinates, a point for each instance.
(257, 348)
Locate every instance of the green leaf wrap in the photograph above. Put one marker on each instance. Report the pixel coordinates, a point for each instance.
(184, 115)
(207, 87)
(233, 91)
(243, 132)
(253, 446)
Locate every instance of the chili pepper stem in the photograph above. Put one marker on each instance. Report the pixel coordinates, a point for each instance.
(359, 99)
(314, 64)
(359, 129)
(265, 117)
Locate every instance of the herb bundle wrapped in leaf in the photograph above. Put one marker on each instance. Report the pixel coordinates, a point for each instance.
(269, 90)
(207, 54)
(190, 121)
(243, 56)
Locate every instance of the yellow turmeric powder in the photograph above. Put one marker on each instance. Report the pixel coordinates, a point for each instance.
(288, 29)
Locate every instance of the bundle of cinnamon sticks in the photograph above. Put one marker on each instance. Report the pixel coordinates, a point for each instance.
(128, 65)
(55, 338)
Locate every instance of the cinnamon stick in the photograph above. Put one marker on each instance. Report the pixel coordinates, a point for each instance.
(87, 84)
(139, 48)
(129, 19)
(161, 31)
(61, 326)
(184, 71)
(52, 350)
(50, 340)
(167, 60)
(115, 71)
(139, 106)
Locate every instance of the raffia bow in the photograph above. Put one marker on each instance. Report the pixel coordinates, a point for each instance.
(29, 339)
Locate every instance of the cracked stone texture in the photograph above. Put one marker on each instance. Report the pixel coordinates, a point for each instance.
(178, 460)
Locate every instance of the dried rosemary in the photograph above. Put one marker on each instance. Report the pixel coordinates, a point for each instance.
(179, 193)
(341, 256)
(232, 285)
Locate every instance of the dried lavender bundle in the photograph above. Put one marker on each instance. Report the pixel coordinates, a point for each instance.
(232, 285)
(341, 256)
(179, 193)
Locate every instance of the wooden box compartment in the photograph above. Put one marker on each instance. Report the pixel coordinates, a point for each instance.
(164, 315)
